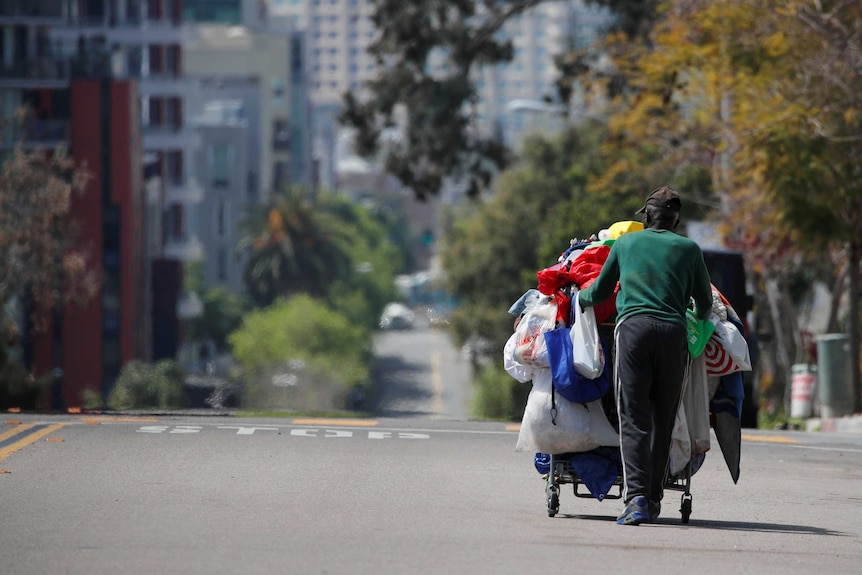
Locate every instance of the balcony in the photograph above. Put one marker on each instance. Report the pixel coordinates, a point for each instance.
(185, 192)
(36, 134)
(35, 73)
(164, 84)
(169, 137)
(185, 249)
(281, 137)
(92, 64)
(35, 10)
(144, 32)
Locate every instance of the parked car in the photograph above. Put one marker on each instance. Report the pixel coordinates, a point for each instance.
(396, 315)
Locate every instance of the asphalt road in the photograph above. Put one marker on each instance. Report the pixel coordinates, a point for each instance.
(423, 492)
(420, 373)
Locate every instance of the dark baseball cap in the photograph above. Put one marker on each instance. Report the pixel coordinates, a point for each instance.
(664, 197)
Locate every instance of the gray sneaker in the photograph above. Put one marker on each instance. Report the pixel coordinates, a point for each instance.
(635, 513)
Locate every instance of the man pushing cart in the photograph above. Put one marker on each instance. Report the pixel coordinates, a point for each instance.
(644, 286)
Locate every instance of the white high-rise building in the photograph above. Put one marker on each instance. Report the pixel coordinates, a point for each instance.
(340, 31)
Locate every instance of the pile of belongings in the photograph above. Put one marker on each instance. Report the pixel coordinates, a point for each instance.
(568, 364)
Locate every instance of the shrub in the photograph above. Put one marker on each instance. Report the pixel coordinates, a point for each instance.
(92, 399)
(498, 395)
(19, 388)
(298, 350)
(148, 386)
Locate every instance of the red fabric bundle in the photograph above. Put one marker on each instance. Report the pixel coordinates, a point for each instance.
(582, 272)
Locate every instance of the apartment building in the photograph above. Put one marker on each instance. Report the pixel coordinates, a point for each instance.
(223, 161)
(77, 100)
(221, 56)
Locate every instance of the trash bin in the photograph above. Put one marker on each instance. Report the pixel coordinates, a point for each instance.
(802, 387)
(833, 368)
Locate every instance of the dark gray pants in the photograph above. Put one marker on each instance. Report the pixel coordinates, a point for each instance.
(650, 368)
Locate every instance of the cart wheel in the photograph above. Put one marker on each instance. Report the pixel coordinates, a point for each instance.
(685, 507)
(553, 503)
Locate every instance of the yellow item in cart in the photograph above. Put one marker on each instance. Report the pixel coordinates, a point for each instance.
(626, 227)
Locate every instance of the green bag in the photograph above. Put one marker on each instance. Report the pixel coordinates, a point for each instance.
(699, 332)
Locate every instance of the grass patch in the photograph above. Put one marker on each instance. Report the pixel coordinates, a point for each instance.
(778, 420)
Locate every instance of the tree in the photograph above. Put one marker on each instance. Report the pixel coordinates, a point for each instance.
(763, 95)
(293, 248)
(812, 162)
(494, 248)
(301, 346)
(222, 315)
(434, 109)
(36, 233)
(363, 291)
(333, 248)
(40, 268)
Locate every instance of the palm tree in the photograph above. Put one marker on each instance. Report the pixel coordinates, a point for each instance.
(294, 246)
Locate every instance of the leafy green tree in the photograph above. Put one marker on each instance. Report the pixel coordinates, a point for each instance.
(431, 108)
(300, 343)
(222, 315)
(362, 292)
(812, 160)
(493, 250)
(333, 248)
(761, 96)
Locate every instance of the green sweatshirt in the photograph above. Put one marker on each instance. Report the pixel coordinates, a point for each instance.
(659, 271)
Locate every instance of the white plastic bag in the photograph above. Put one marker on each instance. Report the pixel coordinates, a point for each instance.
(680, 444)
(586, 348)
(522, 373)
(573, 427)
(726, 351)
(529, 343)
(695, 403)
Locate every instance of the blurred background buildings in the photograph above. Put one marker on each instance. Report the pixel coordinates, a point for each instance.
(186, 112)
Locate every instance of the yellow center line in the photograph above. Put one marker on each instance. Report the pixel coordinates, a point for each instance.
(31, 438)
(769, 439)
(97, 420)
(335, 422)
(513, 427)
(437, 382)
(15, 431)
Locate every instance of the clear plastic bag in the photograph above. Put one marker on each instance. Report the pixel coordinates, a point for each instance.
(530, 346)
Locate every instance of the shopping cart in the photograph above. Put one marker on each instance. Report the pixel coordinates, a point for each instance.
(561, 472)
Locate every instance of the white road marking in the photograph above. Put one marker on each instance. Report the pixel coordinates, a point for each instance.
(247, 430)
(295, 432)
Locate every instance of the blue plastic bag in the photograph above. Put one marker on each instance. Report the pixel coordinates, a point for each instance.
(567, 381)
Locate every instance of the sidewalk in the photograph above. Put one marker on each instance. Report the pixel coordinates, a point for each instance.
(847, 424)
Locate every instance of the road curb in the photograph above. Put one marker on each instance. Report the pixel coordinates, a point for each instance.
(847, 424)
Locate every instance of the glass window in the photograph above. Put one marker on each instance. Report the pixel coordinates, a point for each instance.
(221, 220)
(220, 164)
(222, 265)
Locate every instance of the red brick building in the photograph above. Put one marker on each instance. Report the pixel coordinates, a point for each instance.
(88, 345)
